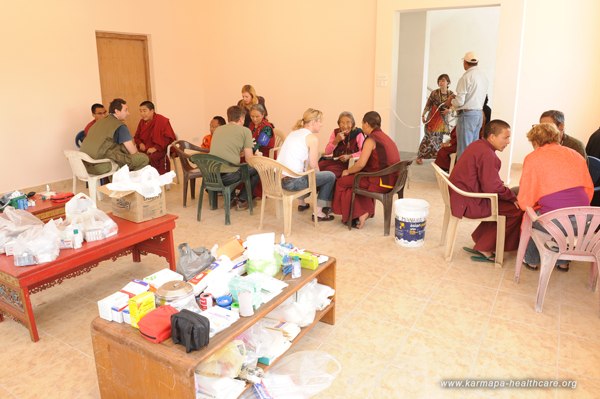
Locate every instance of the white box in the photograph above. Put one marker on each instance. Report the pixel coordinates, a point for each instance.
(105, 305)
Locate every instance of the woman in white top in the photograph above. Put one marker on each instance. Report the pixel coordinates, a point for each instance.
(300, 146)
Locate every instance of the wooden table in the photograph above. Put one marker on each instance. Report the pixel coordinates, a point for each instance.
(46, 209)
(18, 283)
(129, 366)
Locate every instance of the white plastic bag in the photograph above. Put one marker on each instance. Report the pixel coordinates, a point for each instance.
(14, 222)
(41, 242)
(301, 375)
(96, 225)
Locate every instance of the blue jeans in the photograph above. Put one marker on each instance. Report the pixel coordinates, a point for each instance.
(532, 254)
(325, 185)
(230, 178)
(468, 126)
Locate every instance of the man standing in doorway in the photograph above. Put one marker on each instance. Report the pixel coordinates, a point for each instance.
(468, 102)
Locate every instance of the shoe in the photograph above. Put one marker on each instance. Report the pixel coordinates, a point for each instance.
(241, 205)
(302, 208)
(491, 259)
(531, 267)
(563, 268)
(477, 253)
(327, 210)
(326, 218)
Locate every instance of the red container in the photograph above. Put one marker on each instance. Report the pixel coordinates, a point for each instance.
(156, 325)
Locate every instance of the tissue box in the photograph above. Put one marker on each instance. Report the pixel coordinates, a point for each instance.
(307, 260)
(139, 305)
(132, 206)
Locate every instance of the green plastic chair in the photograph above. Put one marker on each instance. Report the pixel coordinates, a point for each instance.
(210, 166)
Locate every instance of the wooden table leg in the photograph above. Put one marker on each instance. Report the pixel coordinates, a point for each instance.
(33, 332)
(169, 245)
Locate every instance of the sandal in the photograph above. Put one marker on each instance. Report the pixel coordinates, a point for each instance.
(326, 218)
(302, 208)
(531, 267)
(476, 252)
(563, 268)
(491, 259)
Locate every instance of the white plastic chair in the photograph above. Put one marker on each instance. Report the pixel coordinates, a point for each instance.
(76, 159)
(270, 172)
(561, 242)
(451, 222)
(279, 139)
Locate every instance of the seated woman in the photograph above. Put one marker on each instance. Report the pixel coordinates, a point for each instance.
(553, 177)
(250, 98)
(379, 151)
(262, 130)
(345, 142)
(214, 124)
(300, 146)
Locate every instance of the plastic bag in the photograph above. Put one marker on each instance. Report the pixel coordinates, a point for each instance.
(96, 225)
(38, 244)
(226, 362)
(301, 375)
(14, 222)
(192, 261)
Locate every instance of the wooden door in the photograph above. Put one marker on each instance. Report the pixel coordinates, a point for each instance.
(124, 71)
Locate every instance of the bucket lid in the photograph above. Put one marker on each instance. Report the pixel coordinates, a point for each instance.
(174, 290)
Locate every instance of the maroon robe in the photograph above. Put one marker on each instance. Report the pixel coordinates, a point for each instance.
(156, 133)
(384, 154)
(477, 171)
(443, 156)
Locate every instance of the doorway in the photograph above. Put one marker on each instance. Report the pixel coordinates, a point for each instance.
(431, 43)
(124, 71)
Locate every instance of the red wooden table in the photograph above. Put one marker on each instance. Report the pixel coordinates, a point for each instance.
(46, 209)
(17, 283)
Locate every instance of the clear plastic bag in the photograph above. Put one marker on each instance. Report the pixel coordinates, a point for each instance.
(301, 375)
(81, 211)
(226, 362)
(14, 222)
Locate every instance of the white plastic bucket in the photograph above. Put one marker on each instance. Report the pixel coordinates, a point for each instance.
(411, 216)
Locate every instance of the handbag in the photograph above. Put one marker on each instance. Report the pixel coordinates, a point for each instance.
(156, 325)
(190, 330)
(264, 137)
(192, 261)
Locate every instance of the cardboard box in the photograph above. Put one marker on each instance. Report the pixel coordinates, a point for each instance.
(132, 206)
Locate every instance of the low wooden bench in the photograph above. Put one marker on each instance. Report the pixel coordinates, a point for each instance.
(17, 283)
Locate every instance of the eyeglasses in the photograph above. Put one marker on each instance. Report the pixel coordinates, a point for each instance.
(100, 113)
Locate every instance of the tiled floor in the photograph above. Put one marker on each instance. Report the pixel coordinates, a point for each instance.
(405, 318)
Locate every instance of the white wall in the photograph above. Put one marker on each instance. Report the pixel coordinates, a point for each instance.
(456, 31)
(411, 55)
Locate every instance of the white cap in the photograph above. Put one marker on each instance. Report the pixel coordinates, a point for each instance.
(471, 57)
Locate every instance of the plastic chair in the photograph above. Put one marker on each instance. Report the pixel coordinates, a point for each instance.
(594, 168)
(80, 172)
(189, 170)
(270, 172)
(279, 139)
(562, 241)
(210, 167)
(386, 199)
(79, 138)
(450, 223)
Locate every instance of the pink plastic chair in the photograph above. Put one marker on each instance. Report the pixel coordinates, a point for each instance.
(583, 245)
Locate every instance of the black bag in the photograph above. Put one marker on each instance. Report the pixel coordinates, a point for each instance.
(190, 329)
(192, 261)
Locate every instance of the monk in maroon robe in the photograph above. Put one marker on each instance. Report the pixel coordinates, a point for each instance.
(153, 135)
(378, 152)
(477, 171)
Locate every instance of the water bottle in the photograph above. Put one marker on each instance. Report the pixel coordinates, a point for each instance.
(77, 239)
(296, 272)
(286, 264)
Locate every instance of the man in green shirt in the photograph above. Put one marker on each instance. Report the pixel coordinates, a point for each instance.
(558, 119)
(229, 142)
(110, 138)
